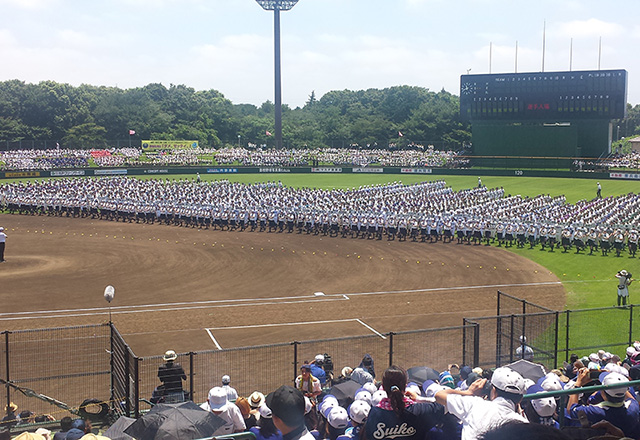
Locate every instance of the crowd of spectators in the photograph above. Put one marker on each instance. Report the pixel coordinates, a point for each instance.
(55, 158)
(419, 157)
(460, 402)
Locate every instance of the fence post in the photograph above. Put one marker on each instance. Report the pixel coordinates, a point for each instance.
(631, 324)
(111, 383)
(498, 304)
(476, 344)
(295, 359)
(555, 351)
(6, 355)
(127, 383)
(511, 325)
(566, 344)
(191, 354)
(136, 394)
(464, 341)
(498, 339)
(391, 348)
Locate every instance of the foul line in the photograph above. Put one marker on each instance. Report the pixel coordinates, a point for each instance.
(372, 329)
(213, 339)
(163, 307)
(283, 323)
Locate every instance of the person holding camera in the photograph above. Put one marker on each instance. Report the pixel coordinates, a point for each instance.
(503, 393)
(624, 280)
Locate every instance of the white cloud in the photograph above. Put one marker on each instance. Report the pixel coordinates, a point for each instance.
(587, 28)
(29, 4)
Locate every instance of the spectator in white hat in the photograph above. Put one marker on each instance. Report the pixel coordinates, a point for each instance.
(171, 374)
(616, 405)
(317, 369)
(232, 394)
(218, 404)
(266, 430)
(479, 415)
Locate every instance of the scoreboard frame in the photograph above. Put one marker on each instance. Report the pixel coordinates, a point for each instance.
(544, 96)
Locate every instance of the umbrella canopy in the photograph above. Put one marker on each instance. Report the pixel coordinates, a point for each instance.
(345, 392)
(420, 374)
(175, 421)
(116, 431)
(528, 369)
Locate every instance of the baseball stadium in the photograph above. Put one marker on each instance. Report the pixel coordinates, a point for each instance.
(513, 247)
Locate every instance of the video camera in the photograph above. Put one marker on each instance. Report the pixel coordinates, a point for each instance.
(327, 365)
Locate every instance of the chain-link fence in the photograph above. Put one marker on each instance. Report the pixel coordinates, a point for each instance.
(73, 364)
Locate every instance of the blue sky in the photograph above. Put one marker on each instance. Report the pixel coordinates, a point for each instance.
(227, 45)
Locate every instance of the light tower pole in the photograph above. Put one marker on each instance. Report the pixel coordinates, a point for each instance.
(276, 6)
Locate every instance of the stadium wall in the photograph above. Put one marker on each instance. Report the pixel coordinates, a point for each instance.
(490, 166)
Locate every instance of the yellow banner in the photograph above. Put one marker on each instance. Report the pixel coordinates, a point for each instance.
(167, 145)
(23, 174)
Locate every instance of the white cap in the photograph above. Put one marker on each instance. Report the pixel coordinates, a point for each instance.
(631, 350)
(593, 357)
(507, 380)
(544, 407)
(613, 379)
(371, 387)
(338, 417)
(265, 411)
(319, 358)
(551, 382)
(329, 401)
(377, 397)
(226, 380)
(359, 411)
(217, 398)
(364, 395)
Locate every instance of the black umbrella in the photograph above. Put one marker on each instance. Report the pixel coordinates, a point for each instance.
(175, 421)
(345, 392)
(116, 431)
(527, 369)
(421, 374)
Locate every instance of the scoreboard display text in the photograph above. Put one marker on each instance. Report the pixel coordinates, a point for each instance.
(553, 96)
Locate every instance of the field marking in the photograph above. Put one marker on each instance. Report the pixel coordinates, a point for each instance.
(213, 339)
(283, 323)
(372, 329)
(241, 302)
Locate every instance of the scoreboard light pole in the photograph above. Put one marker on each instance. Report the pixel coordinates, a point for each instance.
(276, 6)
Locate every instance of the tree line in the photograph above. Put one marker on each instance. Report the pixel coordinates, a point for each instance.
(90, 116)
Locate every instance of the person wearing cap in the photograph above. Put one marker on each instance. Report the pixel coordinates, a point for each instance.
(524, 351)
(218, 404)
(542, 410)
(232, 394)
(624, 280)
(171, 374)
(358, 412)
(287, 406)
(615, 405)
(479, 415)
(3, 240)
(399, 416)
(307, 383)
(266, 430)
(317, 369)
(598, 190)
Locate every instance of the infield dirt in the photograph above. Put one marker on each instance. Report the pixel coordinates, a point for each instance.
(247, 288)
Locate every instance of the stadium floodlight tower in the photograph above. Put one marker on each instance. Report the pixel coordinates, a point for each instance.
(276, 6)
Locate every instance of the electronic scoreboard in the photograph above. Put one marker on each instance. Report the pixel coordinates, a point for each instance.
(552, 96)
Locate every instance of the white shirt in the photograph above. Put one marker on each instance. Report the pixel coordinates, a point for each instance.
(231, 415)
(232, 394)
(3, 237)
(479, 415)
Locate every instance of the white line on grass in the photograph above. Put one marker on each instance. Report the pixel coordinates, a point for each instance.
(372, 329)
